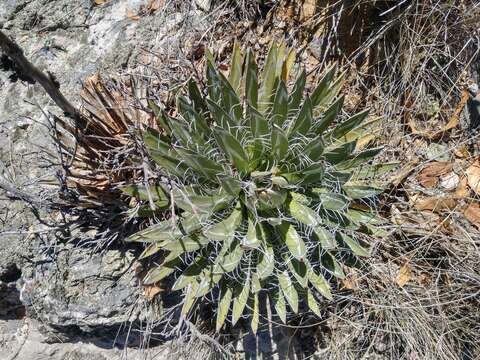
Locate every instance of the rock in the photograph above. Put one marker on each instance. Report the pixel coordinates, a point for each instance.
(204, 5)
(77, 291)
(450, 181)
(85, 301)
(24, 340)
(438, 152)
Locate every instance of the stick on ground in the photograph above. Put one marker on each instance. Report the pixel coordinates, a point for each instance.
(27, 69)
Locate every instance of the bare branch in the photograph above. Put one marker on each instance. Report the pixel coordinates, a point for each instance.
(27, 69)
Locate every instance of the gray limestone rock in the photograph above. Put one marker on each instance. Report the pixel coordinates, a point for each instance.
(57, 300)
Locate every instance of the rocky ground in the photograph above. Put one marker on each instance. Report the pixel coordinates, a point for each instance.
(57, 302)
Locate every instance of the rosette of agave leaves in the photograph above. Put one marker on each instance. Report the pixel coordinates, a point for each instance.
(265, 189)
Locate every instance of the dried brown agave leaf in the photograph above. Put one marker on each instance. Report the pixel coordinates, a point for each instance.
(97, 143)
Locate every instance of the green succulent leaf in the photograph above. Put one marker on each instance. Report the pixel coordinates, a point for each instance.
(320, 284)
(340, 153)
(223, 305)
(330, 263)
(354, 245)
(325, 237)
(272, 198)
(172, 255)
(329, 116)
(359, 159)
(221, 116)
(191, 272)
(194, 114)
(231, 185)
(200, 164)
(161, 272)
(225, 229)
(364, 217)
(231, 100)
(313, 173)
(255, 313)
(181, 133)
(288, 289)
(240, 300)
(172, 165)
(235, 75)
(160, 116)
(288, 65)
(256, 284)
(152, 249)
(280, 181)
(303, 213)
(331, 93)
(303, 122)
(206, 282)
(280, 105)
(322, 88)
(280, 305)
(259, 188)
(196, 96)
(314, 148)
(266, 262)
(297, 93)
(361, 191)
(349, 124)
(299, 270)
(374, 170)
(235, 151)
(200, 204)
(213, 83)
(301, 198)
(312, 303)
(186, 244)
(294, 242)
(281, 51)
(189, 299)
(231, 259)
(252, 238)
(333, 201)
(251, 81)
(337, 177)
(155, 233)
(268, 79)
(279, 144)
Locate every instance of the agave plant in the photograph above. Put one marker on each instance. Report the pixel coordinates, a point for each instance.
(264, 191)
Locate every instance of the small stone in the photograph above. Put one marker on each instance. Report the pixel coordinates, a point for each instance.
(204, 5)
(450, 181)
(438, 152)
